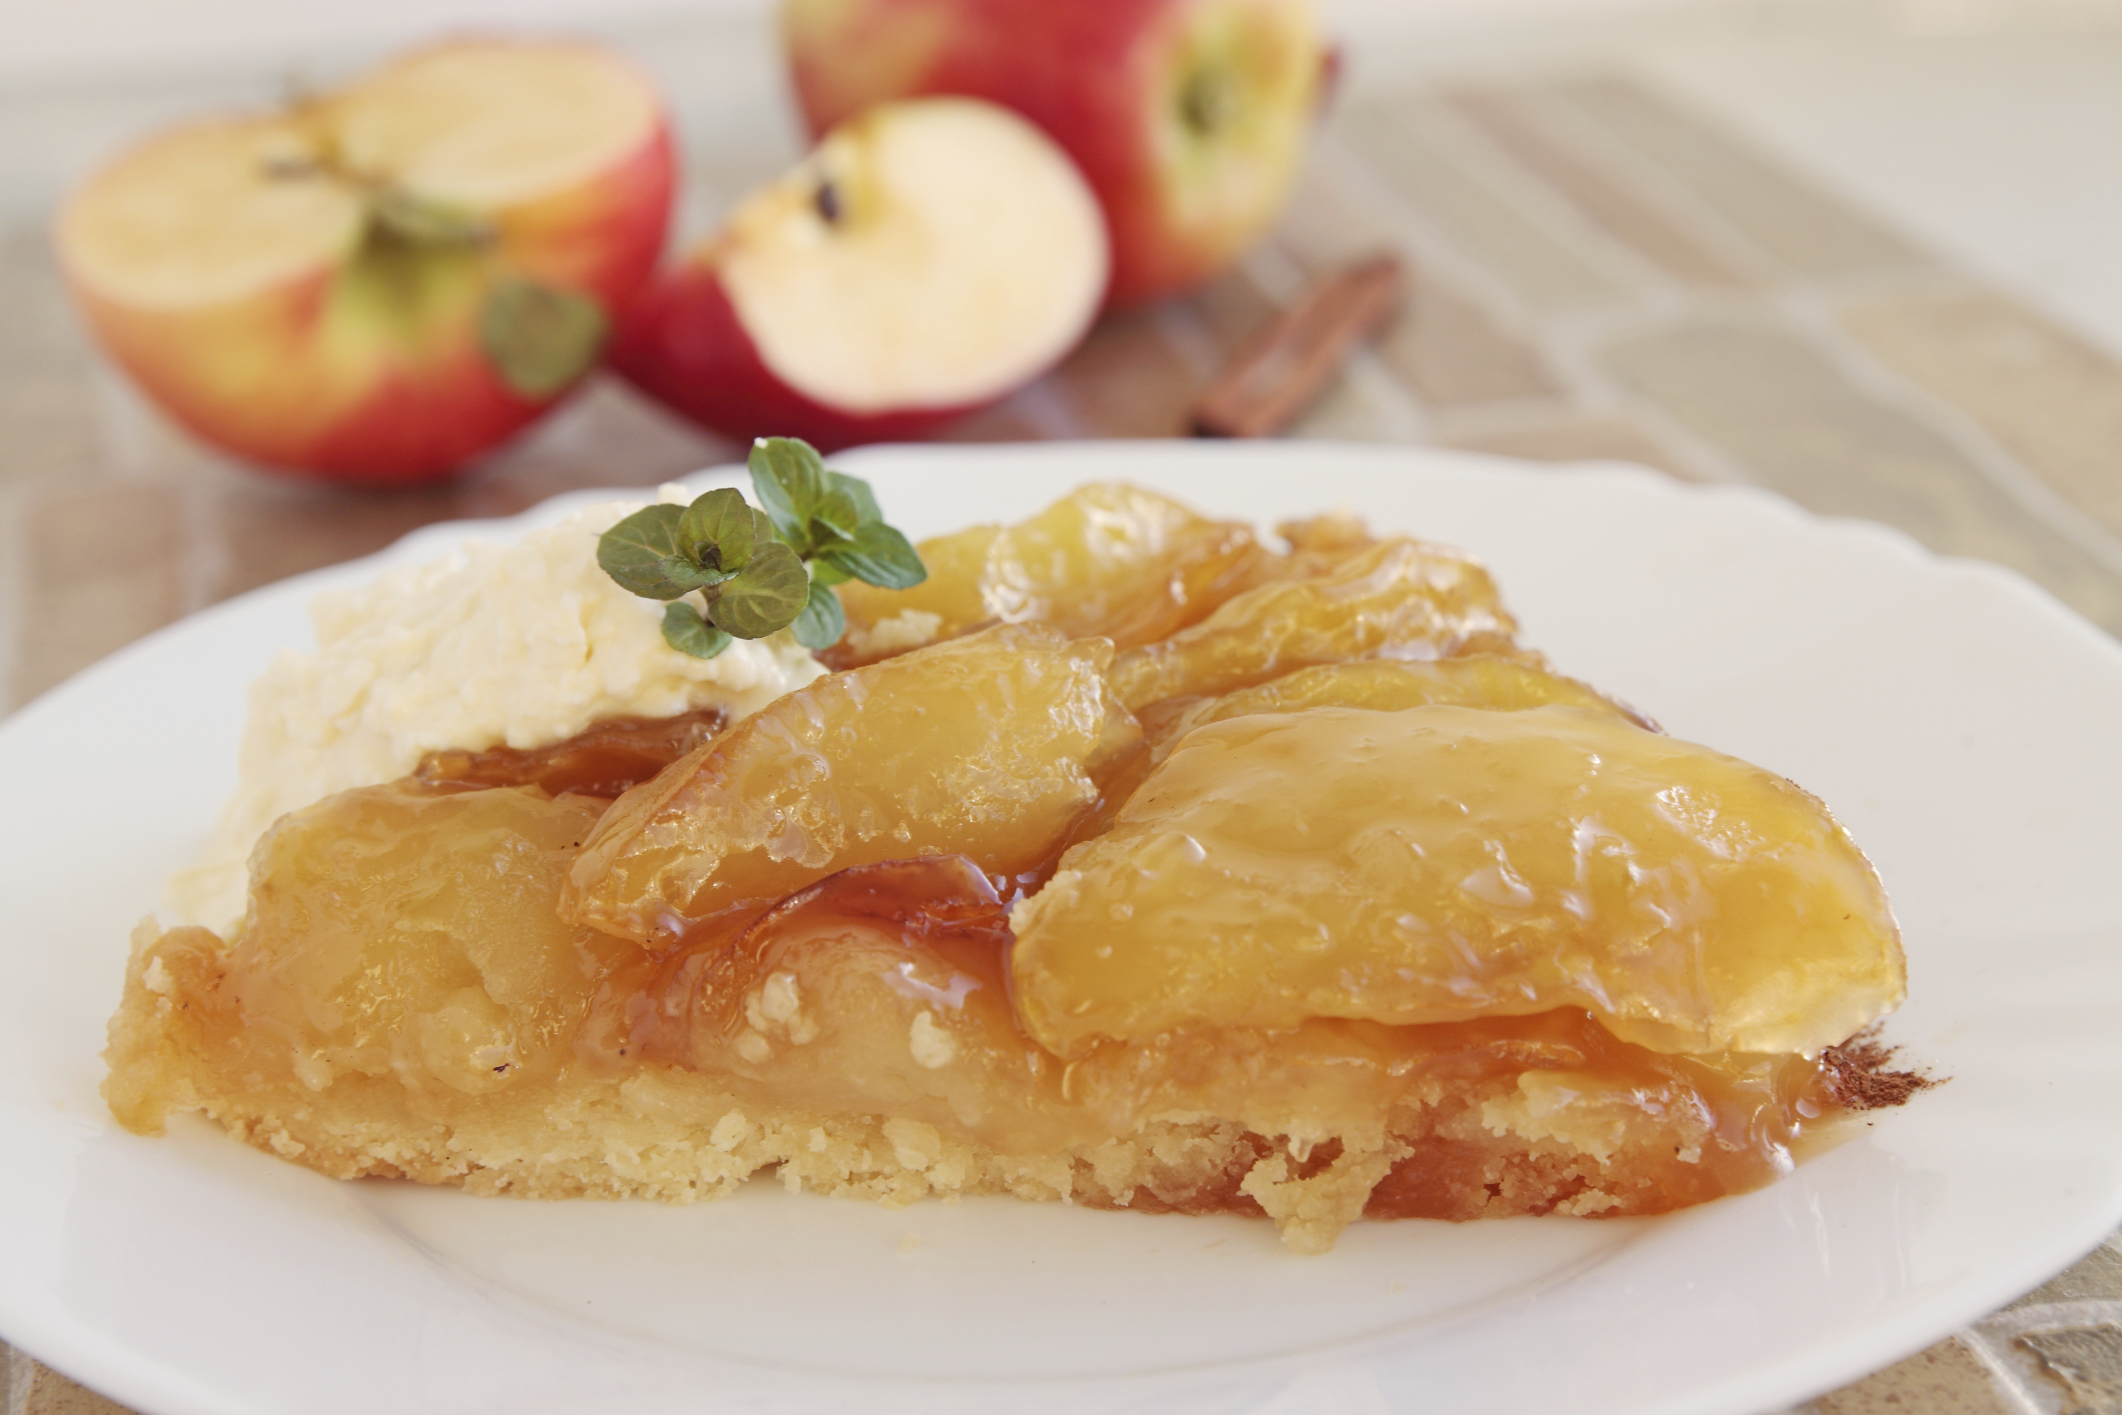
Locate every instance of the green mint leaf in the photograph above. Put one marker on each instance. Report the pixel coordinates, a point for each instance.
(880, 556)
(836, 517)
(790, 481)
(857, 491)
(768, 595)
(690, 574)
(685, 631)
(639, 551)
(822, 622)
(762, 527)
(761, 570)
(718, 530)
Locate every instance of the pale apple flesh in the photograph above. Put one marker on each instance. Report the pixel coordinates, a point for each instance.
(928, 258)
(1188, 117)
(683, 344)
(307, 288)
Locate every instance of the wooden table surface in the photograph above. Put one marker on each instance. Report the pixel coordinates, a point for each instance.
(1598, 272)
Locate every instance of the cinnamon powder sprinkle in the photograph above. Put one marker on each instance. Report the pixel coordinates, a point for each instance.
(1858, 1077)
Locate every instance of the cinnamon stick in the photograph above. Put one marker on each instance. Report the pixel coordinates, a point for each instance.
(1283, 367)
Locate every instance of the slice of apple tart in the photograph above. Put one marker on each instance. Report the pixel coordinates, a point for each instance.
(1127, 861)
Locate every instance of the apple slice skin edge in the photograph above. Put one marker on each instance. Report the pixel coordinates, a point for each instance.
(682, 343)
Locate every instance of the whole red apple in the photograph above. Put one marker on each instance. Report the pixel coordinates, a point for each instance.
(382, 282)
(1187, 116)
(926, 259)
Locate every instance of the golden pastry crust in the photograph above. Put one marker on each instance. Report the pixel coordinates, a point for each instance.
(672, 1133)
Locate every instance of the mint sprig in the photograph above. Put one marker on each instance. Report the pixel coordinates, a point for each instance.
(757, 571)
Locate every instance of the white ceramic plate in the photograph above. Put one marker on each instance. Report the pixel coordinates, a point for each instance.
(1964, 727)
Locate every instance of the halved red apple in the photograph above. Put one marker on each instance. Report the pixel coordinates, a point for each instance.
(928, 258)
(1187, 116)
(382, 282)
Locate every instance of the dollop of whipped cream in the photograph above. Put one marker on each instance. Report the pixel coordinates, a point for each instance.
(519, 645)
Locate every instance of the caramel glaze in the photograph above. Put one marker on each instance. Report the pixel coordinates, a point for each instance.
(885, 989)
(605, 760)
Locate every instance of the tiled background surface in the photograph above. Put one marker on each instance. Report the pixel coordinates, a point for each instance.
(1599, 272)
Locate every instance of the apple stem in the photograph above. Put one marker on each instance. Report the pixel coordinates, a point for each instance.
(394, 214)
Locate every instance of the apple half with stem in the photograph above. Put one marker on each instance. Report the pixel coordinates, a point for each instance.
(381, 282)
(1187, 116)
(928, 258)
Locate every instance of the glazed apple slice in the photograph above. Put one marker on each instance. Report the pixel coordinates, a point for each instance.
(879, 990)
(1396, 598)
(401, 944)
(1477, 680)
(1107, 559)
(990, 746)
(1442, 864)
(929, 257)
(382, 282)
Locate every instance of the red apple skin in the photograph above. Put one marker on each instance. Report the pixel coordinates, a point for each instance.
(1083, 70)
(282, 381)
(683, 344)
